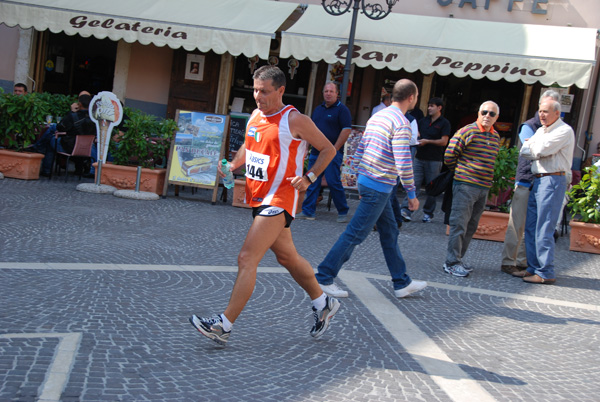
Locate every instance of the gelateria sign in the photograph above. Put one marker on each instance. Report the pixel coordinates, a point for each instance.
(536, 7)
(83, 21)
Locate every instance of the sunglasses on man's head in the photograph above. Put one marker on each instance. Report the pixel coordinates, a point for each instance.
(492, 114)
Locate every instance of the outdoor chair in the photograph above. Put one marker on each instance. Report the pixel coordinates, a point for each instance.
(81, 150)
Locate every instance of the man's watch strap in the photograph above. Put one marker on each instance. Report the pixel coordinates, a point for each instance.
(311, 176)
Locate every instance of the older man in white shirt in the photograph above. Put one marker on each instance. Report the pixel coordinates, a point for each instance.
(551, 149)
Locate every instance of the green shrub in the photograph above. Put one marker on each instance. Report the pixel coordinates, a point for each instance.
(585, 196)
(21, 118)
(146, 140)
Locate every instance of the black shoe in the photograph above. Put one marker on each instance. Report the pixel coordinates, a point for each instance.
(44, 174)
(555, 235)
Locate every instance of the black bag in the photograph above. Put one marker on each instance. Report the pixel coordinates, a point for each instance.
(440, 184)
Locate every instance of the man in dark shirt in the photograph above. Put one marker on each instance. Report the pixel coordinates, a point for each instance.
(73, 124)
(334, 120)
(434, 132)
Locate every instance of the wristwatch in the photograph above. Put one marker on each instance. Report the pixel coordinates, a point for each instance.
(311, 176)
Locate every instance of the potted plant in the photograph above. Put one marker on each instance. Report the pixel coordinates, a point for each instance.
(21, 119)
(494, 222)
(144, 142)
(58, 104)
(585, 206)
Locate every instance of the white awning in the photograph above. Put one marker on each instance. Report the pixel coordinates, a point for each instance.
(494, 50)
(234, 26)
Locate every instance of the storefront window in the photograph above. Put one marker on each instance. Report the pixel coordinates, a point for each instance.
(73, 64)
(463, 96)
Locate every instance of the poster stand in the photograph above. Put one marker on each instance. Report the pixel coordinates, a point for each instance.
(196, 151)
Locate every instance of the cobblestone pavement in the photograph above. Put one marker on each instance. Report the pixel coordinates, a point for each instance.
(95, 293)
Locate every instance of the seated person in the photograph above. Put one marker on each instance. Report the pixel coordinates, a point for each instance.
(75, 123)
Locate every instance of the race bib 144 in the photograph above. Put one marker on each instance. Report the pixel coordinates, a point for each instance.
(256, 166)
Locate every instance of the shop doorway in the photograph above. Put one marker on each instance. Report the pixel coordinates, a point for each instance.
(73, 64)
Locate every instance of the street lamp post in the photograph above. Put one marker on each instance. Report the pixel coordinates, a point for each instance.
(372, 11)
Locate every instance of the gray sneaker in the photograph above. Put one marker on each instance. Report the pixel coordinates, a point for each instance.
(322, 317)
(405, 215)
(301, 215)
(342, 219)
(456, 269)
(467, 268)
(211, 327)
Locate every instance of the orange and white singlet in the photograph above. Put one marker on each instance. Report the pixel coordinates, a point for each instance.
(272, 157)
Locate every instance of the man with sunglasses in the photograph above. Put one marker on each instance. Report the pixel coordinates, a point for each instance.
(472, 155)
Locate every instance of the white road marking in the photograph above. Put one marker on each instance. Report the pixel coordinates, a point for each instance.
(58, 373)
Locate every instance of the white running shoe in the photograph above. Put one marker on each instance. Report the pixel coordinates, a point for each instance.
(333, 290)
(414, 286)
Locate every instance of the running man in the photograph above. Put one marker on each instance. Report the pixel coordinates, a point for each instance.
(277, 138)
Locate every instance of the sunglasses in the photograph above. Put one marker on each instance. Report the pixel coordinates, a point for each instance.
(492, 114)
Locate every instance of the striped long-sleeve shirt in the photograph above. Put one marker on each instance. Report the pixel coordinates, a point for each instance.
(384, 154)
(472, 153)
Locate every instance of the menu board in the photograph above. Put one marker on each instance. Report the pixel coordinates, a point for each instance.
(197, 149)
(237, 130)
(348, 174)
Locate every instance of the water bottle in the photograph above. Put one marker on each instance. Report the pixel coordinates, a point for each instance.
(228, 179)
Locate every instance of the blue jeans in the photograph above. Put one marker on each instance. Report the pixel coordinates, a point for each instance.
(396, 204)
(332, 175)
(424, 170)
(468, 203)
(374, 208)
(45, 145)
(543, 208)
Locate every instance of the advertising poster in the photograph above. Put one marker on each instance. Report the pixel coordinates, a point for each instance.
(197, 149)
(106, 112)
(348, 174)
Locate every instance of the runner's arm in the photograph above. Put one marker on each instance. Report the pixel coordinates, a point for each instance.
(303, 127)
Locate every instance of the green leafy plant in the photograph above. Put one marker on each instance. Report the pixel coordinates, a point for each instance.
(21, 118)
(58, 104)
(585, 196)
(146, 140)
(505, 170)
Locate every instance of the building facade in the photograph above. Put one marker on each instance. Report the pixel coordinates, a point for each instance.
(194, 55)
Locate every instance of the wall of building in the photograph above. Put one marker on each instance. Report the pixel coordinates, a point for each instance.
(577, 13)
(9, 43)
(149, 78)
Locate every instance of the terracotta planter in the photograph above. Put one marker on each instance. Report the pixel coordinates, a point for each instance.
(239, 195)
(492, 226)
(585, 237)
(124, 177)
(20, 165)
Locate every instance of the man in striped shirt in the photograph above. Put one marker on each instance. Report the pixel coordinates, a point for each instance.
(382, 155)
(472, 155)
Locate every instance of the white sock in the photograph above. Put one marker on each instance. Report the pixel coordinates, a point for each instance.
(226, 323)
(320, 302)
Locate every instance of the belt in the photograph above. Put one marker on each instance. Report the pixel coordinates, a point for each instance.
(537, 176)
